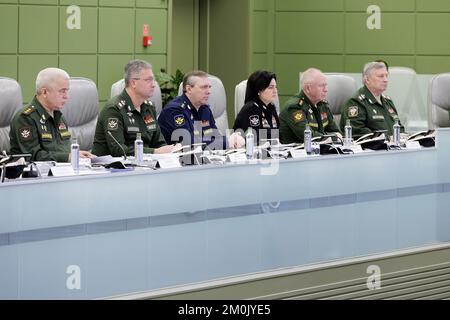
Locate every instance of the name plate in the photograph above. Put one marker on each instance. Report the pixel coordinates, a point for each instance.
(169, 162)
(237, 157)
(298, 153)
(413, 145)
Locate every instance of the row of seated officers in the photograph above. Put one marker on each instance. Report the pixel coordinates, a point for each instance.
(41, 130)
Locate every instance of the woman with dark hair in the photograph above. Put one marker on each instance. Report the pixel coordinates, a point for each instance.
(259, 111)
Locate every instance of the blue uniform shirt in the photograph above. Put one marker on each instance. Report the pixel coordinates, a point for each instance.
(198, 126)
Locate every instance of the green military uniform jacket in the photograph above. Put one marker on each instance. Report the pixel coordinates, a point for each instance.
(298, 113)
(121, 118)
(35, 131)
(367, 115)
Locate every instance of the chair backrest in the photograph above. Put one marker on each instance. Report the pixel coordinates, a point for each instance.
(10, 103)
(217, 102)
(118, 87)
(439, 101)
(81, 111)
(340, 89)
(239, 97)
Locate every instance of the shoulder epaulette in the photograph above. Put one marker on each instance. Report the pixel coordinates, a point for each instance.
(361, 97)
(121, 104)
(386, 97)
(29, 110)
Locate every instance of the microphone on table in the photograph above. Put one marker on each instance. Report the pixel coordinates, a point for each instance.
(121, 148)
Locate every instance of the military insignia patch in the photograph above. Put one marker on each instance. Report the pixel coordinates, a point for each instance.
(65, 134)
(148, 119)
(205, 123)
(254, 120)
(113, 124)
(300, 103)
(62, 126)
(25, 133)
(47, 136)
(353, 111)
(324, 115)
(298, 116)
(179, 120)
(274, 122)
(391, 110)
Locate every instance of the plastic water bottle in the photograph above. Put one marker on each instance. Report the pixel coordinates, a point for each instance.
(139, 149)
(348, 134)
(396, 133)
(307, 140)
(249, 143)
(75, 155)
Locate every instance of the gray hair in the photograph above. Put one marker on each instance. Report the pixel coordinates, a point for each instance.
(308, 76)
(191, 78)
(370, 67)
(133, 70)
(47, 77)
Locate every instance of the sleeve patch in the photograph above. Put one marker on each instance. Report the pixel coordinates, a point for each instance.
(298, 116)
(113, 124)
(179, 120)
(254, 120)
(25, 133)
(353, 111)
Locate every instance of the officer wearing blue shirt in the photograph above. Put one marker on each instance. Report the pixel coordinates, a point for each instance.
(188, 119)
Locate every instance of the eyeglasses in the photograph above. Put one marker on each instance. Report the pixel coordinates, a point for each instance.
(148, 80)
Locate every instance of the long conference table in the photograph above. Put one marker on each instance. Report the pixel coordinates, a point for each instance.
(98, 236)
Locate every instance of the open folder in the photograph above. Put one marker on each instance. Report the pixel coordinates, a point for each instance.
(425, 138)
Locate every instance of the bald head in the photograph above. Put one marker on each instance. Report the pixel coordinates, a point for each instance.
(314, 85)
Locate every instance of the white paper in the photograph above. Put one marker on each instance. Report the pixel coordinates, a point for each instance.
(413, 145)
(298, 153)
(237, 157)
(169, 162)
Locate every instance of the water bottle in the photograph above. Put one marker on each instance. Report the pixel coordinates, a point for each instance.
(139, 149)
(249, 143)
(397, 134)
(75, 155)
(307, 140)
(348, 134)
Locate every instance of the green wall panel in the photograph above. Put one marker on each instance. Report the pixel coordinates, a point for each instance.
(8, 66)
(432, 29)
(29, 67)
(38, 35)
(8, 1)
(261, 32)
(37, 2)
(82, 40)
(157, 22)
(397, 34)
(92, 3)
(110, 69)
(116, 30)
(261, 5)
(292, 32)
(260, 61)
(431, 65)
(355, 63)
(156, 60)
(80, 65)
(309, 5)
(152, 3)
(8, 21)
(385, 5)
(433, 6)
(288, 67)
(116, 3)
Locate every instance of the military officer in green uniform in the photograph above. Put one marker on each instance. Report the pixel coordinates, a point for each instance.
(40, 128)
(130, 113)
(369, 110)
(309, 107)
